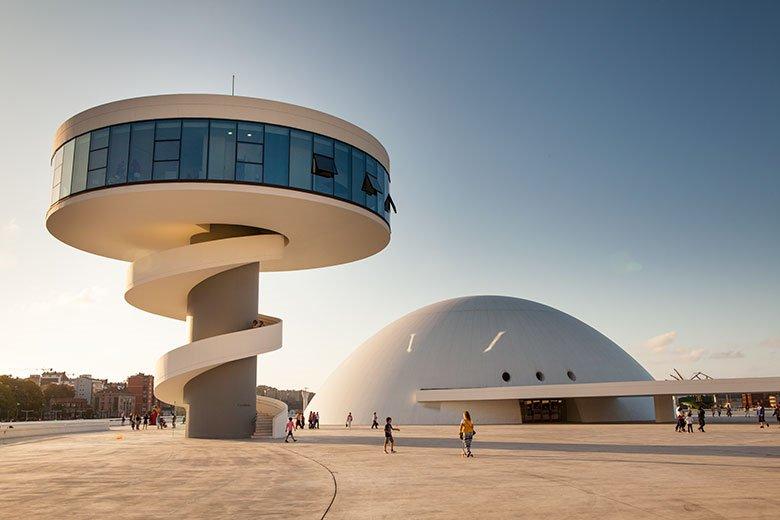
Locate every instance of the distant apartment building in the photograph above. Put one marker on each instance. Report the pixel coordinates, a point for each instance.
(114, 401)
(83, 387)
(141, 386)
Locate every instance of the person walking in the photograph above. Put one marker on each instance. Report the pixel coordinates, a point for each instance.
(701, 420)
(389, 428)
(375, 422)
(467, 433)
(680, 426)
(289, 429)
(173, 421)
(776, 413)
(689, 421)
(123, 419)
(761, 413)
(132, 422)
(317, 420)
(146, 420)
(349, 421)
(728, 409)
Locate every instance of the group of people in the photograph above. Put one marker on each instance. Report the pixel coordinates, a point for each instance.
(466, 431)
(761, 413)
(313, 423)
(685, 420)
(142, 422)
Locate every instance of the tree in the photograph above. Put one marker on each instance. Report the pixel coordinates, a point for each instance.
(7, 401)
(25, 395)
(54, 390)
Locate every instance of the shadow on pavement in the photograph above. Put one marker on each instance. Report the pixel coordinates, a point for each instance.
(640, 449)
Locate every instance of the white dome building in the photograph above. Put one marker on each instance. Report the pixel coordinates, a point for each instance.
(480, 342)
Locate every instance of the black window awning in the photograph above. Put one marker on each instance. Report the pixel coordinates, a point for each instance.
(324, 166)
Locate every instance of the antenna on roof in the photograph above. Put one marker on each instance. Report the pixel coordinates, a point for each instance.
(233, 87)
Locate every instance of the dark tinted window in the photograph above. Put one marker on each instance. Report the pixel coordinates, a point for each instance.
(300, 159)
(277, 155)
(141, 149)
(248, 172)
(168, 130)
(117, 154)
(166, 150)
(250, 133)
(96, 178)
(342, 181)
(194, 149)
(358, 174)
(166, 170)
(99, 139)
(222, 150)
(247, 152)
(372, 194)
(323, 146)
(98, 159)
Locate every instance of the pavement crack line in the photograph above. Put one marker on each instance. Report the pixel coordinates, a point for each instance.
(332, 476)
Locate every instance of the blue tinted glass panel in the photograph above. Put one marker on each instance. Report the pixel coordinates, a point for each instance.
(194, 149)
(80, 160)
(276, 155)
(323, 146)
(168, 130)
(117, 154)
(166, 150)
(141, 149)
(250, 133)
(98, 159)
(358, 171)
(99, 139)
(342, 181)
(386, 189)
(222, 150)
(371, 200)
(247, 152)
(248, 172)
(96, 178)
(67, 167)
(300, 159)
(166, 170)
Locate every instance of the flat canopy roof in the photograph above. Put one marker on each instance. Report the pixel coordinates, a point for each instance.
(612, 389)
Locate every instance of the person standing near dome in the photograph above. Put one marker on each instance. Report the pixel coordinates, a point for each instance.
(467, 433)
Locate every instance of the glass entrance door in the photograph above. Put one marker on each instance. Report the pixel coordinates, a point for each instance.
(543, 410)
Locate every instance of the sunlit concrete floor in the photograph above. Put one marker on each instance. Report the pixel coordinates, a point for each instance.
(524, 471)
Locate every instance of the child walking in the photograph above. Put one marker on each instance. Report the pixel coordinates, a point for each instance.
(289, 429)
(389, 434)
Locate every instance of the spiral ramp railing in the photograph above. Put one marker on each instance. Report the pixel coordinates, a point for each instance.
(160, 283)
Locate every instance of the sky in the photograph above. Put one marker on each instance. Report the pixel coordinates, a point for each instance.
(619, 161)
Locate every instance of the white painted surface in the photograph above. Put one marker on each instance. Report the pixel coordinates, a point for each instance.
(19, 430)
(449, 351)
(174, 369)
(279, 411)
(609, 389)
(216, 106)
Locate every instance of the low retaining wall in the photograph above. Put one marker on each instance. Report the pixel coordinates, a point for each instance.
(18, 430)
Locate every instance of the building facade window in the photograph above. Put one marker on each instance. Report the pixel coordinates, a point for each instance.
(220, 150)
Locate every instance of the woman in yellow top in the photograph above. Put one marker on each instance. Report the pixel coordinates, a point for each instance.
(467, 433)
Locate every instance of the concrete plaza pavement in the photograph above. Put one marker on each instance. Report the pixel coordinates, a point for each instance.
(520, 471)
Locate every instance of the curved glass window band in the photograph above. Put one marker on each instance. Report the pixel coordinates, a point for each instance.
(221, 150)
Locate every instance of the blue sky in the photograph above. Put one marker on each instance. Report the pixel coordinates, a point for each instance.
(617, 160)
